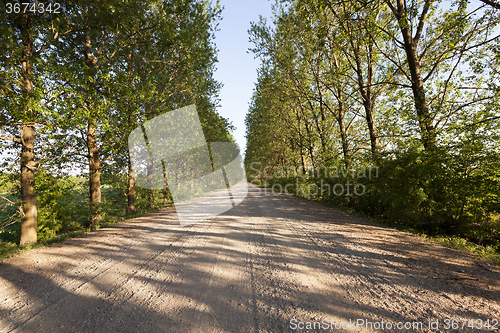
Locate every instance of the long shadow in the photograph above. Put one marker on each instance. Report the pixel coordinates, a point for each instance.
(169, 279)
(50, 307)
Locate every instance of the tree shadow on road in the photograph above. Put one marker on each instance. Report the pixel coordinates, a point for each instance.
(252, 269)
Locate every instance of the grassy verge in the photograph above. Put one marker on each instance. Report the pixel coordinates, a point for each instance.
(9, 249)
(112, 216)
(489, 253)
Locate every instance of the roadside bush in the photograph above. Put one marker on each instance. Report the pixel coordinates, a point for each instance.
(56, 196)
(439, 193)
(436, 192)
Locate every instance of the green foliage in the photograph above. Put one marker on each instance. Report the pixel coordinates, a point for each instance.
(441, 193)
(9, 202)
(488, 252)
(438, 193)
(63, 209)
(98, 70)
(6, 182)
(56, 203)
(434, 111)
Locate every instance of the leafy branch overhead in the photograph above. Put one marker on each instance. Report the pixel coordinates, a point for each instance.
(78, 81)
(411, 87)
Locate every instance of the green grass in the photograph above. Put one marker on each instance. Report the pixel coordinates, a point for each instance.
(489, 253)
(11, 249)
(112, 211)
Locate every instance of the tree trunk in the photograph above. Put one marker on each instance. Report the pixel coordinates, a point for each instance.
(131, 185)
(28, 195)
(93, 149)
(27, 136)
(367, 97)
(309, 145)
(94, 174)
(427, 130)
(166, 198)
(321, 129)
(151, 199)
(302, 160)
(151, 191)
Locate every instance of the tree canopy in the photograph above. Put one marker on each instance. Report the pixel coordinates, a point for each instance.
(77, 80)
(408, 87)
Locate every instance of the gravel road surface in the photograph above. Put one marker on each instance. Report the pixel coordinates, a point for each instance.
(271, 264)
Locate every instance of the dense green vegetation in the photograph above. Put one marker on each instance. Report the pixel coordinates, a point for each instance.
(63, 208)
(74, 84)
(408, 90)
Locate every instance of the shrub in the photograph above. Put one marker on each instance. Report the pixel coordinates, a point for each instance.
(56, 196)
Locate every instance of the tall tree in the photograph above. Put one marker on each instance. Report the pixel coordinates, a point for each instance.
(411, 43)
(27, 33)
(433, 55)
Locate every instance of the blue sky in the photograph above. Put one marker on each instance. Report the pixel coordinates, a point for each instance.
(237, 69)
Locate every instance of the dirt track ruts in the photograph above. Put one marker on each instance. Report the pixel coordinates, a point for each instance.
(253, 269)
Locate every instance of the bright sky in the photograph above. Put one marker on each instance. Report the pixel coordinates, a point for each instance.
(237, 69)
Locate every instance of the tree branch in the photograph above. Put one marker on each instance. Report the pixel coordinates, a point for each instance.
(421, 22)
(491, 3)
(17, 140)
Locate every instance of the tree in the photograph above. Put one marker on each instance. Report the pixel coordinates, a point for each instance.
(430, 71)
(26, 38)
(433, 55)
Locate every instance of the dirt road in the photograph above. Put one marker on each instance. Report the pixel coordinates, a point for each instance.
(272, 264)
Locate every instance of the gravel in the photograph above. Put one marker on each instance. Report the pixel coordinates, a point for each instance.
(271, 264)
